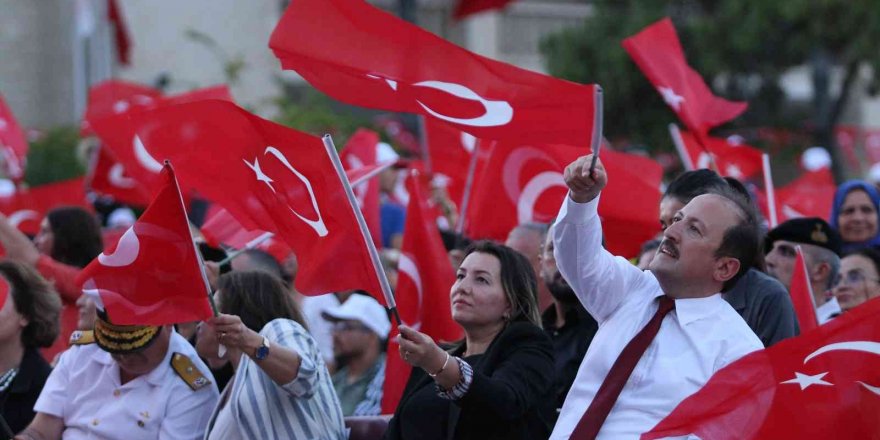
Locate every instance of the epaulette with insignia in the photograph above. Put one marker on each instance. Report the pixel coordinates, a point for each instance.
(82, 337)
(188, 371)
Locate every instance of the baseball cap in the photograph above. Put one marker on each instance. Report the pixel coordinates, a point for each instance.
(364, 309)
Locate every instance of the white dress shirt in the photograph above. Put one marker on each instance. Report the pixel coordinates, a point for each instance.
(696, 339)
(827, 311)
(84, 390)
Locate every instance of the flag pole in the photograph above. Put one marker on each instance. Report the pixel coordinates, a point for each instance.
(250, 245)
(468, 185)
(768, 186)
(675, 134)
(365, 232)
(596, 142)
(372, 173)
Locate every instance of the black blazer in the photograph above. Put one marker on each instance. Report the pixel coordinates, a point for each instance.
(17, 403)
(512, 395)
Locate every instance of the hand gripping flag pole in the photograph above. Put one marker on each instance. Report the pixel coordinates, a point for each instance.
(362, 224)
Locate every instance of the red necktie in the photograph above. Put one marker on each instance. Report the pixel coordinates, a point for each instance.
(592, 421)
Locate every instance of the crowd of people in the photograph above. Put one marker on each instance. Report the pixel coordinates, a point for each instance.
(561, 339)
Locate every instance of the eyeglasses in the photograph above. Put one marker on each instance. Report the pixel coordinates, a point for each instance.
(343, 326)
(852, 278)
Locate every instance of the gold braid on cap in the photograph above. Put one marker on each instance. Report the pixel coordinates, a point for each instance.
(122, 338)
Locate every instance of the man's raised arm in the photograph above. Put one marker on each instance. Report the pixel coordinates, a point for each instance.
(600, 280)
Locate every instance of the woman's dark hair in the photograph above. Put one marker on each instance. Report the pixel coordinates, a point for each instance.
(36, 300)
(76, 237)
(869, 253)
(257, 298)
(517, 279)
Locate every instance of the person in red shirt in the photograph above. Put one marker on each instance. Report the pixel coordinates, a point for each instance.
(68, 240)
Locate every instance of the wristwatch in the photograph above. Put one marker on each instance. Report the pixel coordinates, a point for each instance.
(263, 350)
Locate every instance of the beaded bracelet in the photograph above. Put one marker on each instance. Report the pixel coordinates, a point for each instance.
(463, 385)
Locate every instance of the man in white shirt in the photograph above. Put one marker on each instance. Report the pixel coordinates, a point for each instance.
(821, 246)
(664, 331)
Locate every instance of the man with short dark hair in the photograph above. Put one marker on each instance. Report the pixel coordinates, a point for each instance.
(662, 332)
(821, 246)
(125, 382)
(762, 301)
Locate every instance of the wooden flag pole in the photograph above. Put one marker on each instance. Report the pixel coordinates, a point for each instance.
(365, 232)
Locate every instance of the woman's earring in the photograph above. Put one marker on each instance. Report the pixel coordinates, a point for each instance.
(506, 316)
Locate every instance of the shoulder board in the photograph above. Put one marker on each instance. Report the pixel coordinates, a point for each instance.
(82, 337)
(187, 370)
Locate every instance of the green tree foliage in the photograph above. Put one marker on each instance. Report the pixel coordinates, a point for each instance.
(53, 157)
(741, 47)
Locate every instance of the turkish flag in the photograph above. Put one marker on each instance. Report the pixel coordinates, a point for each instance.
(822, 384)
(269, 177)
(658, 53)
(108, 177)
(810, 195)
(222, 230)
(802, 294)
(13, 144)
(872, 147)
(425, 277)
(153, 275)
(522, 183)
(361, 55)
(115, 97)
(450, 151)
(467, 7)
(732, 159)
(118, 132)
(28, 206)
(360, 153)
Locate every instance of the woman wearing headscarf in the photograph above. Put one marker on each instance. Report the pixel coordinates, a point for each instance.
(495, 383)
(855, 215)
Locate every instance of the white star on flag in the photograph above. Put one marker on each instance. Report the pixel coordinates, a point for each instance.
(671, 98)
(262, 177)
(734, 171)
(806, 380)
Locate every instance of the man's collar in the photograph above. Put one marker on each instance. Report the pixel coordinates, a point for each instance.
(688, 310)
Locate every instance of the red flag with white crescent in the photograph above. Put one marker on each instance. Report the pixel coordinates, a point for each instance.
(822, 384)
(108, 177)
(27, 206)
(802, 294)
(523, 183)
(153, 275)
(364, 56)
(425, 276)
(268, 177)
(733, 159)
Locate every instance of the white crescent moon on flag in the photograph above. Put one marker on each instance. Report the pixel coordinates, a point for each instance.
(126, 251)
(318, 225)
(496, 112)
(525, 206)
(143, 156)
(17, 217)
(513, 165)
(408, 266)
(117, 177)
(863, 346)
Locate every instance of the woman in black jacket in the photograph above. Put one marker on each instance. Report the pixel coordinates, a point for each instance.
(496, 383)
